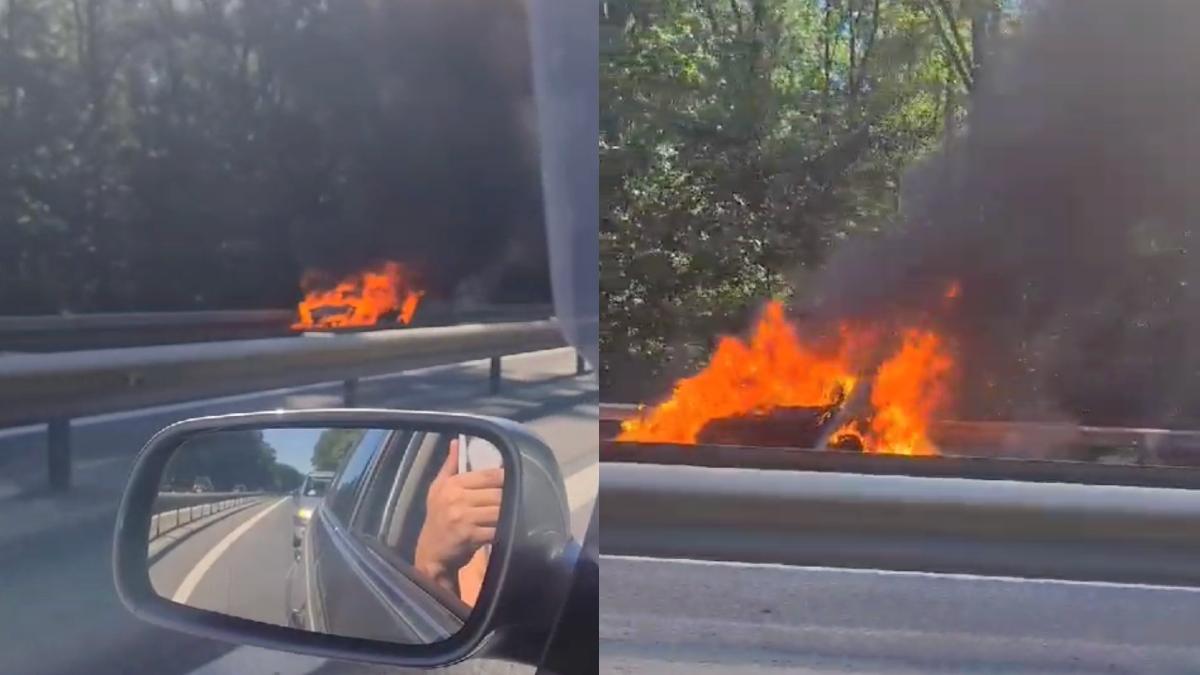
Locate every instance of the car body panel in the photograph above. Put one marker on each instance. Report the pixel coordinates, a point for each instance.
(349, 585)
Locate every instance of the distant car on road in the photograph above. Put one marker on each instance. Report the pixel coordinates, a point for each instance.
(239, 488)
(307, 497)
(202, 484)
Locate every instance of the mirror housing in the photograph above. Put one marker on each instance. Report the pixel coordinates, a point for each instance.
(524, 589)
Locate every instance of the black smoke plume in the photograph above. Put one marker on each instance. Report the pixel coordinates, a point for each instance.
(429, 107)
(1068, 211)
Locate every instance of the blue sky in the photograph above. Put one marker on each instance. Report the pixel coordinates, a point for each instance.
(293, 446)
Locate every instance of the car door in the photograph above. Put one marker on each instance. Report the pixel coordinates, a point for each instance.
(395, 495)
(357, 587)
(309, 605)
(397, 535)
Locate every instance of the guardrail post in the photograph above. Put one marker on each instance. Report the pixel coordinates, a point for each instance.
(58, 445)
(494, 376)
(350, 393)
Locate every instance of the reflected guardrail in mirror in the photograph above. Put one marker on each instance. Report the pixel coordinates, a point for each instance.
(166, 521)
(378, 533)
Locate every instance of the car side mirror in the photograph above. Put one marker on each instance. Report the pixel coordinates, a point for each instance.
(445, 536)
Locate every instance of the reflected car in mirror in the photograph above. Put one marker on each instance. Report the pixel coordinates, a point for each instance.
(347, 530)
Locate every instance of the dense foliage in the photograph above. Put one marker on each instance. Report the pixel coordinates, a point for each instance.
(333, 446)
(742, 140)
(228, 459)
(180, 154)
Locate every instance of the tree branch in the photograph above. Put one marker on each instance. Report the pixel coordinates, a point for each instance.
(952, 27)
(737, 13)
(939, 11)
(852, 72)
(710, 12)
(870, 43)
(826, 39)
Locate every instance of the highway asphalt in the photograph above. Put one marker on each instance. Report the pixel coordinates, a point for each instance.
(679, 617)
(665, 616)
(58, 611)
(249, 577)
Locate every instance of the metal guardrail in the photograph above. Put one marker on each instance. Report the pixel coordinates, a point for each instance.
(174, 500)
(35, 388)
(107, 331)
(48, 333)
(165, 521)
(513, 312)
(54, 388)
(139, 320)
(1025, 440)
(945, 525)
(882, 464)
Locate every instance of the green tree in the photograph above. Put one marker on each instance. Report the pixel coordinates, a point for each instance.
(332, 446)
(742, 141)
(162, 154)
(227, 458)
(285, 477)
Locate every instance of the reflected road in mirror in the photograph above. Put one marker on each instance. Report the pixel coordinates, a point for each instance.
(372, 533)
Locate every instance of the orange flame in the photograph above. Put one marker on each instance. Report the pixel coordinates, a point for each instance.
(361, 300)
(907, 390)
(776, 370)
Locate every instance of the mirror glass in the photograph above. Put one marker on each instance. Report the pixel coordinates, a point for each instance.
(372, 533)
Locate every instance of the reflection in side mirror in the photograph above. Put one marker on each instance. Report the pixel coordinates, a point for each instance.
(396, 547)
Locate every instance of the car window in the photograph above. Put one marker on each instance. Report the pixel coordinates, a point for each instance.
(381, 490)
(392, 510)
(411, 515)
(345, 487)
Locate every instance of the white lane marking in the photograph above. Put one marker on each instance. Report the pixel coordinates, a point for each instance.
(269, 393)
(185, 590)
(257, 660)
(957, 576)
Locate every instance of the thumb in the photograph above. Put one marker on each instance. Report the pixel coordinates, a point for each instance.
(450, 468)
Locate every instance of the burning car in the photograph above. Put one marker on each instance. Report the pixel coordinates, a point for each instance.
(775, 389)
(373, 297)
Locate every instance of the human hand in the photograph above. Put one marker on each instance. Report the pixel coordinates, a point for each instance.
(461, 512)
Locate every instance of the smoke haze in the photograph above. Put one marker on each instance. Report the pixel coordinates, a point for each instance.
(1068, 214)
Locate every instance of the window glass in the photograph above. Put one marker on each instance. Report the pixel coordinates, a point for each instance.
(345, 488)
(386, 479)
